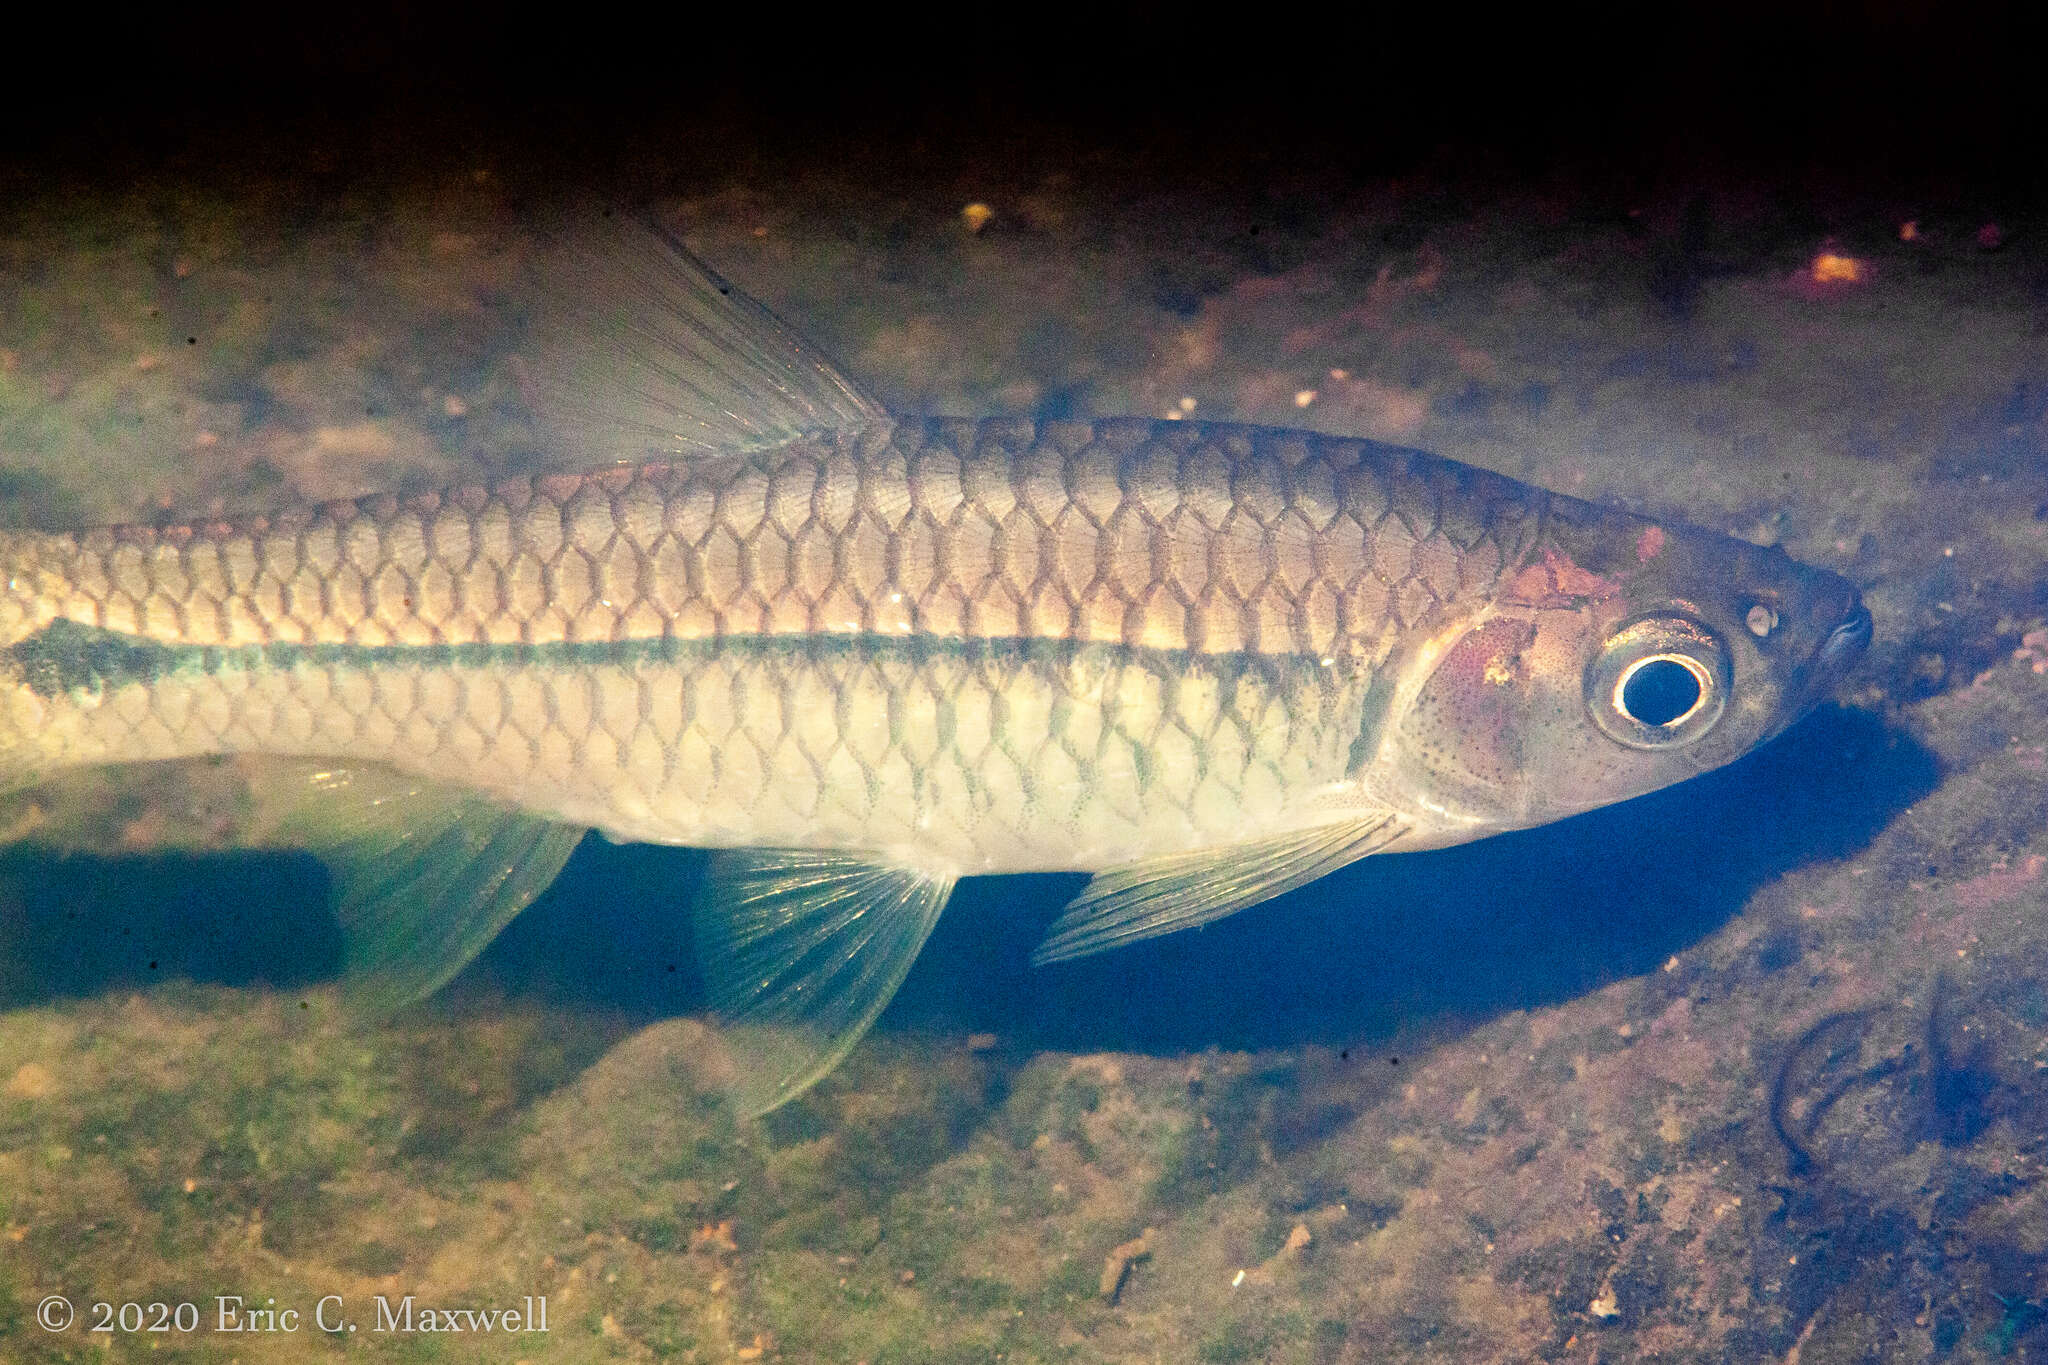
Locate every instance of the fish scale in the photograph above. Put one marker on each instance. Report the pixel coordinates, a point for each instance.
(1163, 535)
(1003, 644)
(992, 760)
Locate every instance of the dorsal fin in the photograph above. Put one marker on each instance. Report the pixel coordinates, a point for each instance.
(640, 350)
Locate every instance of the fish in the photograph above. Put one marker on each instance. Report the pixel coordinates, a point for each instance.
(861, 655)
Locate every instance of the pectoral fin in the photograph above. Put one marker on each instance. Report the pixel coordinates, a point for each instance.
(1182, 890)
(802, 950)
(424, 876)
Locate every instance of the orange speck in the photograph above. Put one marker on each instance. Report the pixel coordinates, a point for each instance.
(1909, 231)
(715, 1238)
(1650, 543)
(1832, 267)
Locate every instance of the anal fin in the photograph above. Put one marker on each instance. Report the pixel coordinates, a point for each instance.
(802, 950)
(425, 876)
(1182, 890)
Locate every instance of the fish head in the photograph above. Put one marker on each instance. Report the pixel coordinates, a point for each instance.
(1623, 655)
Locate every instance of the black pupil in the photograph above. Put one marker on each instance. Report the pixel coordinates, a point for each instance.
(1660, 692)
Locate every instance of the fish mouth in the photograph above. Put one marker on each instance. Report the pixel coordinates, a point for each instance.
(1839, 652)
(1848, 640)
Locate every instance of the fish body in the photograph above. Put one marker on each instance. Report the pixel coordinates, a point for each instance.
(868, 655)
(1000, 646)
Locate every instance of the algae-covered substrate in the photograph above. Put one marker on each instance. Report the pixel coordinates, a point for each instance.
(1750, 1070)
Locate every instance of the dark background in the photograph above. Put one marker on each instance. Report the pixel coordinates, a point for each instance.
(1908, 95)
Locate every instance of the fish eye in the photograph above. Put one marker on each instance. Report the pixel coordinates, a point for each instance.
(1659, 682)
(1661, 690)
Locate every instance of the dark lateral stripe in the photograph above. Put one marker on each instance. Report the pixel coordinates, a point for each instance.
(66, 658)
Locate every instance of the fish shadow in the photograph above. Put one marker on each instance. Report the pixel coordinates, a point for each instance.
(1391, 946)
(76, 925)
(1427, 942)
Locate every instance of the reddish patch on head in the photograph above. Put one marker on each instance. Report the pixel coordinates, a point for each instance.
(1558, 582)
(1650, 543)
(1489, 657)
(1475, 702)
